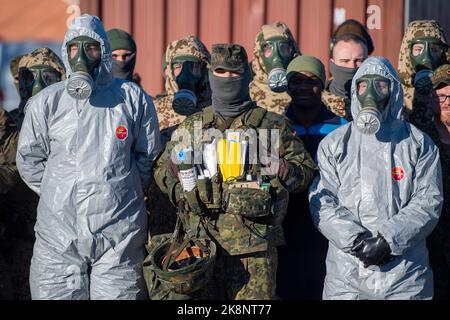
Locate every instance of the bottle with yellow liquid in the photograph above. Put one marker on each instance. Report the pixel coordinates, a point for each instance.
(231, 153)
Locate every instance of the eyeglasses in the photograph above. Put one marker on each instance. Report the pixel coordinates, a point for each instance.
(442, 98)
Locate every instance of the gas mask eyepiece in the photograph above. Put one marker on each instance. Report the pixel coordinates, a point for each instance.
(427, 53)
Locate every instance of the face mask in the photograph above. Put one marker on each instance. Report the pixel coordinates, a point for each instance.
(230, 95)
(373, 92)
(427, 53)
(277, 53)
(342, 79)
(33, 79)
(124, 69)
(84, 59)
(190, 74)
(184, 102)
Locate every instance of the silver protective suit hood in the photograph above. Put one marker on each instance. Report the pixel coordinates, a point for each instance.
(365, 121)
(389, 183)
(92, 27)
(89, 161)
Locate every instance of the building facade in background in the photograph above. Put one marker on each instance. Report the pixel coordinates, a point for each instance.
(155, 23)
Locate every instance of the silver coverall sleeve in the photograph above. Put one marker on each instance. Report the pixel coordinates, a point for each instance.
(335, 222)
(148, 144)
(415, 221)
(34, 147)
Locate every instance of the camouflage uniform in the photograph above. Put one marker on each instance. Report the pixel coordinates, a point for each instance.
(162, 216)
(417, 108)
(168, 118)
(336, 104)
(17, 202)
(14, 68)
(9, 176)
(247, 257)
(418, 111)
(259, 88)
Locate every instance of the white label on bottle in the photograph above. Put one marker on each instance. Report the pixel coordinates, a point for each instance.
(188, 179)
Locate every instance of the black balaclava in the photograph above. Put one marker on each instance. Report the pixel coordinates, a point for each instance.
(230, 95)
(120, 39)
(342, 80)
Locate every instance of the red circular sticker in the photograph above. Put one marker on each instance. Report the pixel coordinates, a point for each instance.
(398, 173)
(121, 132)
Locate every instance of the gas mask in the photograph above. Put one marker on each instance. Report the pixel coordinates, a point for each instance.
(188, 73)
(277, 53)
(426, 55)
(373, 92)
(84, 59)
(34, 79)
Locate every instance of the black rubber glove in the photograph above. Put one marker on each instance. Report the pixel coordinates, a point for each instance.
(372, 250)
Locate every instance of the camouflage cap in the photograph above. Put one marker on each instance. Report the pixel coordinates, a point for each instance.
(229, 56)
(441, 75)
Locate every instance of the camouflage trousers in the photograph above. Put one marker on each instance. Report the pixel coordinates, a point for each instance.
(243, 277)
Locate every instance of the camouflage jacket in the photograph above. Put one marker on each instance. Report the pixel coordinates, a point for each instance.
(338, 105)
(235, 233)
(162, 216)
(188, 46)
(417, 108)
(17, 201)
(259, 87)
(9, 135)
